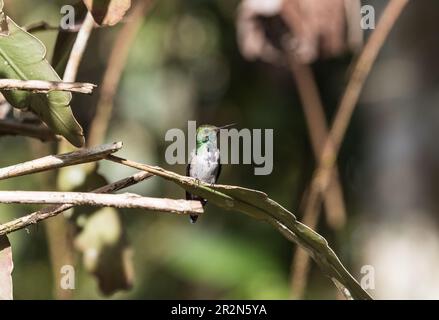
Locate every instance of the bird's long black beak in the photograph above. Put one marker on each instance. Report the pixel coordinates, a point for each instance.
(226, 126)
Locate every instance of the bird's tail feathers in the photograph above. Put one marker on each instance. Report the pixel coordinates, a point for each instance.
(190, 196)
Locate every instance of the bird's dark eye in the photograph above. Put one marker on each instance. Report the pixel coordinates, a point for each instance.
(205, 139)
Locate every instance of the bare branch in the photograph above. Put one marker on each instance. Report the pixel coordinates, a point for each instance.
(318, 132)
(52, 211)
(116, 64)
(333, 197)
(328, 157)
(124, 183)
(15, 128)
(126, 200)
(44, 26)
(360, 73)
(352, 94)
(65, 248)
(135, 165)
(78, 48)
(62, 160)
(46, 86)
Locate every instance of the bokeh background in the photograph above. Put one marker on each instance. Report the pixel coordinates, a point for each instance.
(186, 64)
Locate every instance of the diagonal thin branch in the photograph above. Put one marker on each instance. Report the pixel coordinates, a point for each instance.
(353, 91)
(322, 175)
(46, 86)
(318, 132)
(137, 165)
(333, 197)
(78, 48)
(349, 100)
(59, 161)
(15, 128)
(52, 211)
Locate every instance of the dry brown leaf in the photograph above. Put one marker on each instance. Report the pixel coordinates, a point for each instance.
(107, 12)
(309, 29)
(106, 253)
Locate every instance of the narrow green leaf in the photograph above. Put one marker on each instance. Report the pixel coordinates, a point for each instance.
(22, 56)
(258, 205)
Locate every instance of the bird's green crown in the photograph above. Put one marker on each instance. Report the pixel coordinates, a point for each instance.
(206, 133)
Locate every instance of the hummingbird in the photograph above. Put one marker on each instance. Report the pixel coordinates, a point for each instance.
(204, 163)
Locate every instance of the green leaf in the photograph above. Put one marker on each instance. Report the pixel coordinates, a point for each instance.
(22, 56)
(107, 12)
(258, 205)
(6, 267)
